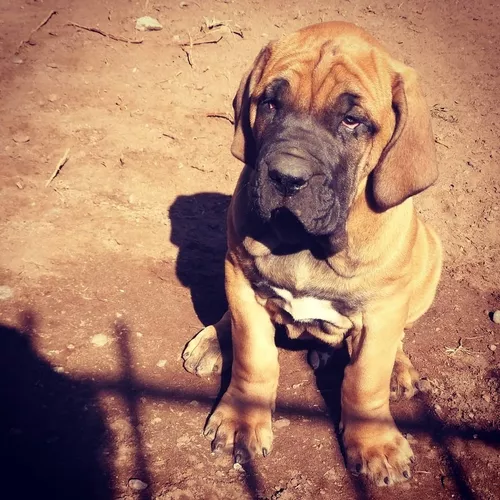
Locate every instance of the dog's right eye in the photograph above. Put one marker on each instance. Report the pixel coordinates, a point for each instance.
(269, 104)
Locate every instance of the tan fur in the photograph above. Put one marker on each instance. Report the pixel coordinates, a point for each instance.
(388, 273)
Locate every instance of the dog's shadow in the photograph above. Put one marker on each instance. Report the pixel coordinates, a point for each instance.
(199, 231)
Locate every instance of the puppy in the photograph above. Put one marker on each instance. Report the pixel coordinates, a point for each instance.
(323, 238)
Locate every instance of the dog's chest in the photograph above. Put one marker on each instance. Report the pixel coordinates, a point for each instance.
(306, 309)
(305, 296)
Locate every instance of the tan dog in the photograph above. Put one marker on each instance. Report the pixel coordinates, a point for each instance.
(323, 237)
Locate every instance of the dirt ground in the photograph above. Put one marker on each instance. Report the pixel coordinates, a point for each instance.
(108, 272)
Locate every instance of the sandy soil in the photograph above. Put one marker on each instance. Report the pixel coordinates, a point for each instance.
(110, 270)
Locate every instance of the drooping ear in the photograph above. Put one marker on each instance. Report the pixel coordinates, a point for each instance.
(407, 165)
(243, 146)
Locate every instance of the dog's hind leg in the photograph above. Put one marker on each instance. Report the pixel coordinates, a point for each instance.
(210, 350)
(404, 379)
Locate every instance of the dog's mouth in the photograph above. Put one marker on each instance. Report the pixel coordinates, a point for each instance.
(294, 237)
(287, 226)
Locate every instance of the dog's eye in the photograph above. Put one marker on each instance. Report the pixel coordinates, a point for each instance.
(269, 104)
(351, 122)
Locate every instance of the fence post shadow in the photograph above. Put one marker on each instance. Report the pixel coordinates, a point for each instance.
(129, 391)
(53, 438)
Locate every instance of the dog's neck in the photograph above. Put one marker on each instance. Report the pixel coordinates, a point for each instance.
(373, 236)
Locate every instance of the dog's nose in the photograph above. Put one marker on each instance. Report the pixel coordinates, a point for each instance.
(286, 183)
(289, 171)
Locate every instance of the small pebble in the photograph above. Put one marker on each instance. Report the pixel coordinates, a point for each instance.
(496, 317)
(238, 467)
(331, 475)
(424, 385)
(156, 420)
(162, 363)
(486, 397)
(17, 60)
(6, 292)
(137, 484)
(52, 97)
(148, 23)
(438, 410)
(58, 369)
(281, 423)
(19, 137)
(52, 65)
(492, 347)
(99, 340)
(183, 440)
(411, 438)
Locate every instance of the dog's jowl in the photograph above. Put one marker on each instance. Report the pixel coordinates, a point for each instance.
(323, 238)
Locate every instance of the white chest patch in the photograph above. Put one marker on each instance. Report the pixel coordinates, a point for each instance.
(305, 309)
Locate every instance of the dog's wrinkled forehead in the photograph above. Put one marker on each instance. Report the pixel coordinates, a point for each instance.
(319, 65)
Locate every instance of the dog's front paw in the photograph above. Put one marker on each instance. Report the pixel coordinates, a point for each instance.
(384, 457)
(242, 427)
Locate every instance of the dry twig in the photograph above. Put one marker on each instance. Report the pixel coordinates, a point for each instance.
(59, 165)
(188, 51)
(441, 144)
(103, 33)
(43, 23)
(212, 25)
(224, 116)
(201, 42)
(188, 55)
(451, 351)
(158, 276)
(207, 171)
(170, 136)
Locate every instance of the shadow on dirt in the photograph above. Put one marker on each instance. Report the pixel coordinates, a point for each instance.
(199, 230)
(127, 389)
(53, 438)
(416, 418)
(54, 442)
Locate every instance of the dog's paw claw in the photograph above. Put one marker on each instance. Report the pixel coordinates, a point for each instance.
(385, 460)
(248, 433)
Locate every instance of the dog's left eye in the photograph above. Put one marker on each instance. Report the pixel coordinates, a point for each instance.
(350, 122)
